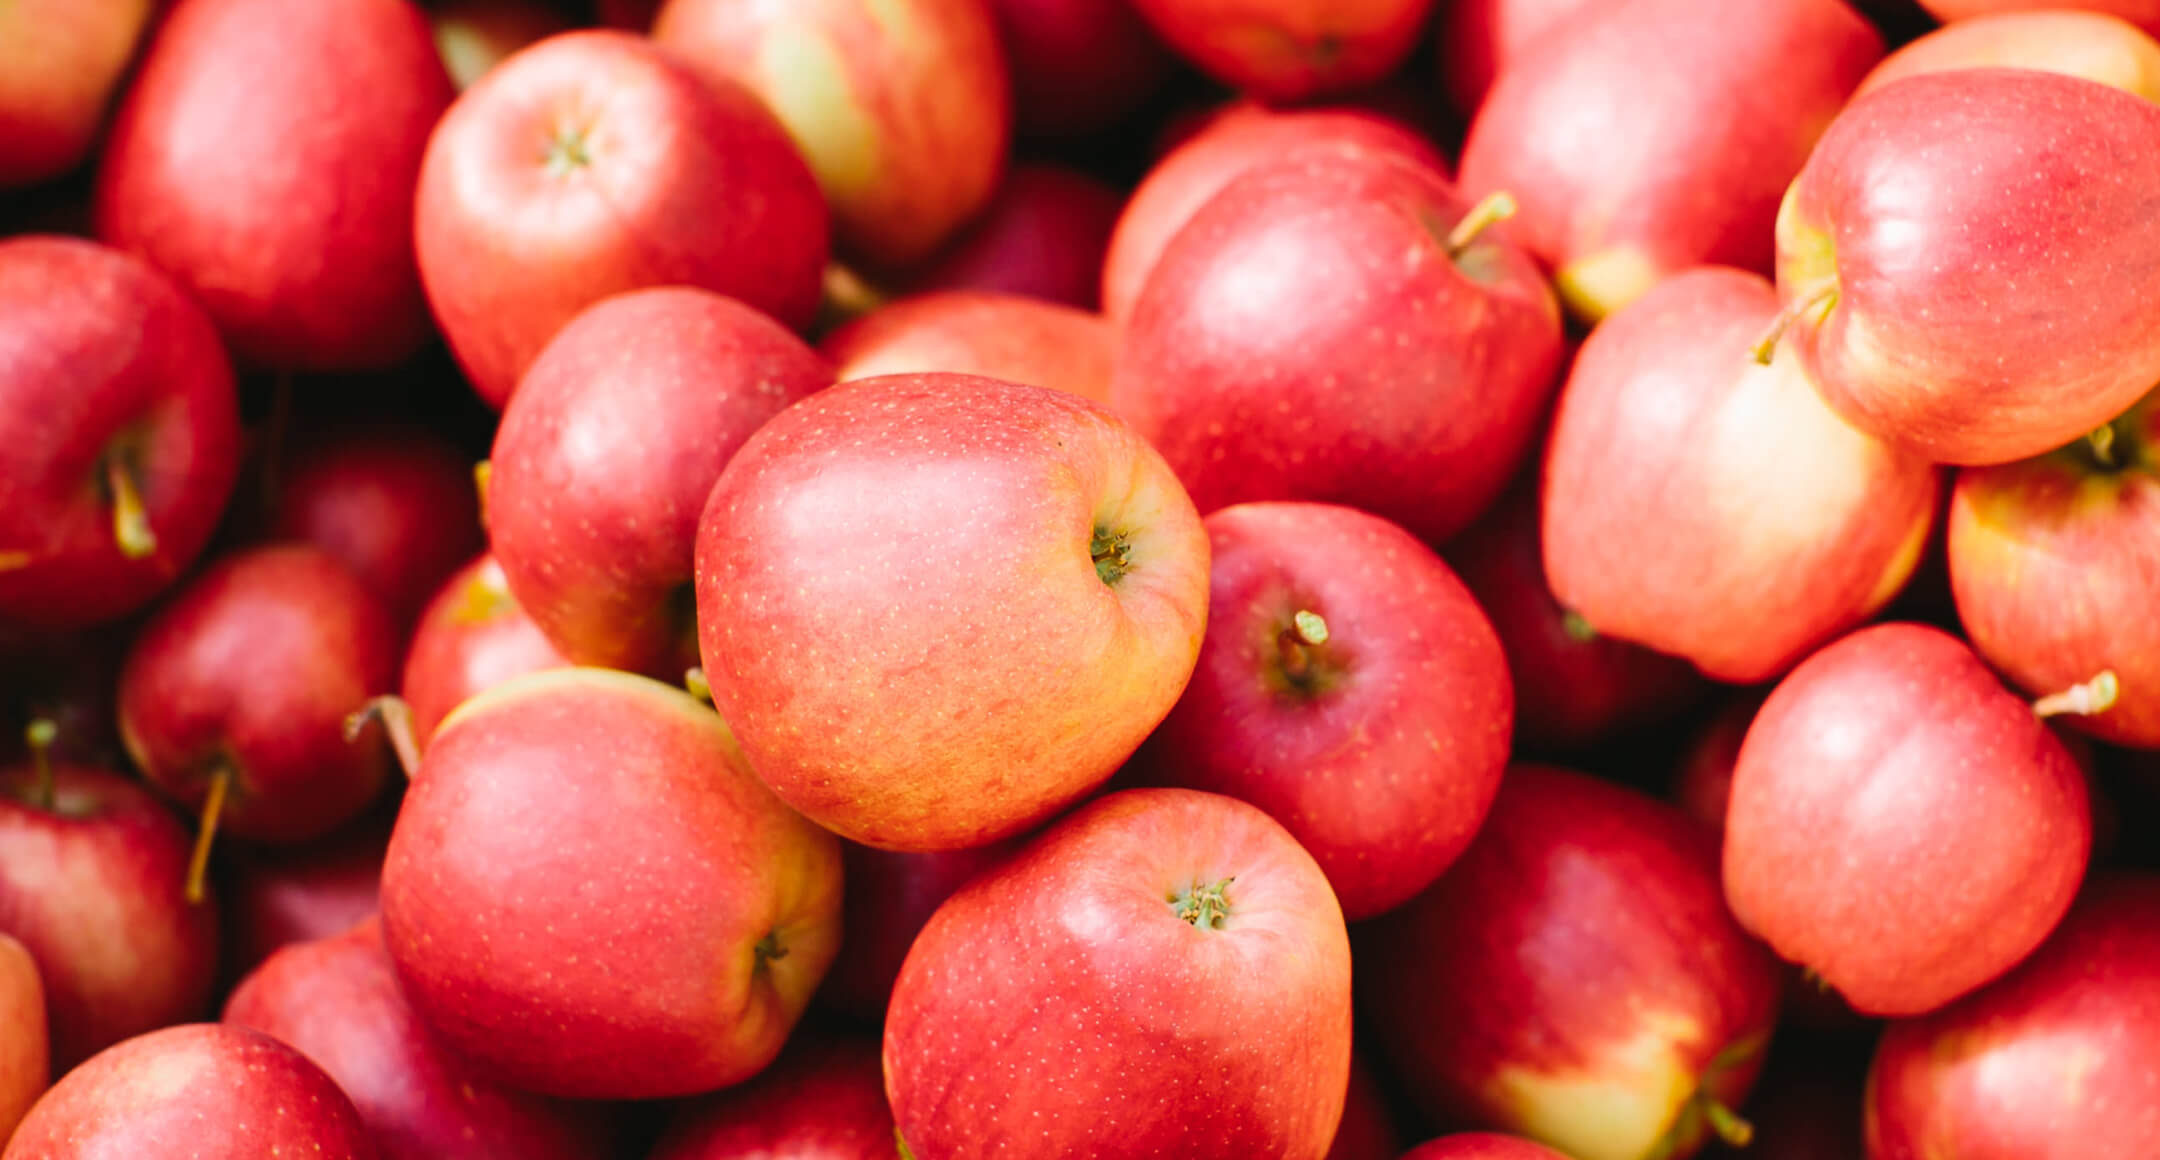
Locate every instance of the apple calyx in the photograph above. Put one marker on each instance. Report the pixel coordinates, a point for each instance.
(1577, 627)
(1305, 632)
(213, 806)
(131, 518)
(1203, 906)
(40, 734)
(1112, 553)
(2085, 699)
(1822, 298)
(396, 718)
(769, 949)
(567, 150)
(2101, 442)
(1703, 1110)
(1494, 208)
(481, 473)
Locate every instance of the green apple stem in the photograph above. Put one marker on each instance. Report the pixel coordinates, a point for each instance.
(131, 519)
(901, 1143)
(397, 723)
(694, 680)
(1296, 642)
(1728, 1124)
(2102, 443)
(1578, 627)
(481, 473)
(213, 808)
(1496, 207)
(2087, 699)
(1112, 553)
(1766, 346)
(41, 734)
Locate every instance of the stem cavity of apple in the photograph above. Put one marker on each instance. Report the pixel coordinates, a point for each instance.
(131, 518)
(1305, 632)
(213, 807)
(566, 150)
(1203, 906)
(770, 950)
(696, 685)
(40, 734)
(1496, 207)
(2087, 699)
(1824, 296)
(2102, 444)
(1577, 626)
(1112, 553)
(396, 718)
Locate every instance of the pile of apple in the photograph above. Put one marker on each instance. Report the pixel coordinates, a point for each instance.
(1036, 579)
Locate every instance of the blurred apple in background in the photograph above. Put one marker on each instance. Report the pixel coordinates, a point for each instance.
(975, 332)
(2144, 13)
(274, 897)
(1043, 235)
(1481, 1146)
(1078, 66)
(1479, 38)
(60, 64)
(1289, 50)
(472, 637)
(823, 1099)
(475, 35)
(25, 1043)
(889, 896)
(1367, 1130)
(2092, 45)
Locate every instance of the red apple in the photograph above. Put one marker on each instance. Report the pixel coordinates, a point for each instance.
(337, 1001)
(975, 332)
(1161, 973)
(823, 1100)
(1350, 687)
(628, 15)
(1707, 506)
(1703, 785)
(1481, 1146)
(199, 1091)
(1078, 66)
(476, 35)
(239, 166)
(1970, 269)
(589, 893)
(127, 435)
(2144, 13)
(1900, 824)
(25, 1044)
(60, 62)
(2092, 45)
(1642, 139)
(1479, 38)
(1367, 1131)
(1289, 50)
(902, 107)
(2059, 1059)
(939, 609)
(2053, 562)
(1339, 327)
(472, 637)
(276, 897)
(590, 164)
(1043, 235)
(1574, 977)
(889, 896)
(606, 454)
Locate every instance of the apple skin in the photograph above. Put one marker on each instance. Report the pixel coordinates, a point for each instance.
(823, 1099)
(605, 456)
(976, 332)
(265, 158)
(1030, 576)
(1481, 1146)
(2058, 1059)
(1327, 276)
(59, 67)
(1626, 175)
(1900, 824)
(472, 637)
(1290, 50)
(1232, 141)
(337, 1001)
(1341, 741)
(2092, 45)
(103, 356)
(198, 1091)
(1476, 39)
(2143, 13)
(1078, 66)
(476, 35)
(1989, 300)
(889, 897)
(2052, 562)
(276, 897)
(1670, 521)
(665, 951)
(251, 670)
(1076, 949)
(902, 108)
(512, 244)
(25, 1047)
(1044, 235)
(1574, 977)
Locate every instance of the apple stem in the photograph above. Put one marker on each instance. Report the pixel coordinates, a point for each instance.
(1305, 633)
(1728, 1124)
(694, 680)
(1578, 627)
(2088, 699)
(481, 473)
(1496, 207)
(1766, 346)
(2102, 442)
(213, 807)
(397, 723)
(41, 733)
(901, 1143)
(131, 519)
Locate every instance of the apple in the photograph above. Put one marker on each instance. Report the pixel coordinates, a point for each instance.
(1481, 1146)
(199, 1091)
(25, 1047)
(605, 456)
(1479, 38)
(1043, 235)
(475, 35)
(1349, 686)
(1628, 173)
(1367, 1131)
(628, 15)
(1233, 140)
(2144, 13)
(274, 897)
(1900, 824)
(824, 1099)
(939, 609)
(60, 62)
(237, 165)
(1339, 326)
(1290, 50)
(472, 637)
(128, 432)
(1574, 977)
(2092, 45)
(1702, 786)
(589, 164)
(234, 697)
(903, 107)
(889, 897)
(1969, 269)
(92, 880)
(590, 894)
(1162, 972)
(1707, 506)
(977, 332)
(2052, 562)
(2055, 1060)
(1078, 66)
(338, 1002)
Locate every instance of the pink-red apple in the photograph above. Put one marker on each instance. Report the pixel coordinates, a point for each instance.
(60, 62)
(1078, 66)
(1703, 784)
(1481, 1146)
(1290, 50)
(889, 896)
(1043, 235)
(476, 35)
(1479, 38)
(472, 637)
(2144, 13)
(974, 332)
(824, 1099)
(2092, 45)
(25, 1042)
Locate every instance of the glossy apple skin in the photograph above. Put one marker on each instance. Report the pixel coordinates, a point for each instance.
(605, 456)
(1323, 277)
(2143, 13)
(1574, 977)
(1670, 519)
(2092, 45)
(1991, 300)
(1382, 758)
(96, 890)
(198, 1091)
(255, 665)
(61, 64)
(472, 637)
(476, 35)
(975, 332)
(1627, 175)
(511, 250)
(1075, 948)
(889, 897)
(902, 108)
(273, 898)
(337, 1001)
(947, 522)
(103, 355)
(1478, 38)
(1900, 824)
(1078, 66)
(1043, 235)
(1290, 50)
(823, 1099)
(265, 158)
(609, 961)
(1233, 141)
(2053, 560)
(2058, 1059)
(1481, 1146)
(25, 1048)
